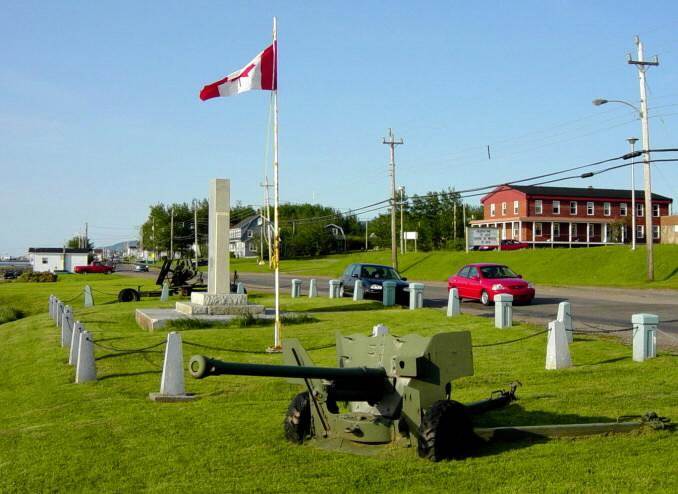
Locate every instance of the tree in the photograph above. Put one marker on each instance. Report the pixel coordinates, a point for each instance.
(77, 243)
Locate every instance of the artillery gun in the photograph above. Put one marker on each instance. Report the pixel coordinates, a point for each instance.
(396, 389)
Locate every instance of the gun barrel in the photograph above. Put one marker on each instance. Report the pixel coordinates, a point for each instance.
(201, 366)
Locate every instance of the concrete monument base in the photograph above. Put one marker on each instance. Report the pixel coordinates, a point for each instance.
(152, 319)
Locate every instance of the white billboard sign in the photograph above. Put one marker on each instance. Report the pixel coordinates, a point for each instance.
(482, 237)
(411, 235)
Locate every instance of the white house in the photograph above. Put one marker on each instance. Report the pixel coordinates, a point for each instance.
(56, 258)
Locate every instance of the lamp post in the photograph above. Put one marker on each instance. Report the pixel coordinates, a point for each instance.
(642, 113)
(632, 141)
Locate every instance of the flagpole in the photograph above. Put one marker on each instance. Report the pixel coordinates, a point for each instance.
(277, 346)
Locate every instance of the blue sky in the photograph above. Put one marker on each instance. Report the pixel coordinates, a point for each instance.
(100, 116)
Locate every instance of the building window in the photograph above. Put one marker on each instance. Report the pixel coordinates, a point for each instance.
(503, 209)
(253, 246)
(655, 232)
(556, 229)
(640, 231)
(639, 209)
(607, 209)
(250, 233)
(623, 211)
(573, 229)
(590, 210)
(573, 208)
(515, 231)
(556, 207)
(45, 260)
(655, 211)
(537, 229)
(492, 210)
(537, 207)
(516, 207)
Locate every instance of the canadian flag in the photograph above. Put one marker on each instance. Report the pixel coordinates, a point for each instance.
(260, 73)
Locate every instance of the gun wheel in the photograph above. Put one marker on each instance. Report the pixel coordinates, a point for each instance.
(298, 419)
(446, 432)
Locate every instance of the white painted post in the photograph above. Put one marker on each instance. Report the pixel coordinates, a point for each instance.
(85, 369)
(50, 305)
(557, 348)
(59, 312)
(644, 336)
(240, 288)
(172, 381)
(164, 295)
(66, 326)
(296, 288)
(75, 342)
(312, 289)
(89, 299)
(379, 330)
(358, 291)
(453, 305)
(334, 288)
(565, 316)
(416, 296)
(503, 311)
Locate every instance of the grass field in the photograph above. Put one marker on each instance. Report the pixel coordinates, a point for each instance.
(108, 437)
(602, 266)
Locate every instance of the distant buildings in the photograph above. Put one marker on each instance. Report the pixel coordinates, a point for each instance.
(56, 258)
(244, 237)
(570, 216)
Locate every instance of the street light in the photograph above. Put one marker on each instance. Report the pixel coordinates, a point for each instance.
(632, 141)
(642, 113)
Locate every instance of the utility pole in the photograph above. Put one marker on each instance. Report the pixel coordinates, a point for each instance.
(454, 228)
(155, 244)
(366, 244)
(642, 65)
(392, 143)
(195, 231)
(172, 234)
(86, 235)
(632, 141)
(402, 232)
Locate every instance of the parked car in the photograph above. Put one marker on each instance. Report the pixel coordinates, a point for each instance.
(140, 268)
(508, 244)
(484, 281)
(372, 277)
(95, 267)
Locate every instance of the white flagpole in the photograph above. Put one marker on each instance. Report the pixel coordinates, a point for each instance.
(277, 346)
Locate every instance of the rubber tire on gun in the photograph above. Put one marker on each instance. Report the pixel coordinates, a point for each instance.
(128, 295)
(446, 432)
(298, 418)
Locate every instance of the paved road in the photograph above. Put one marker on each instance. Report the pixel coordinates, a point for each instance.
(608, 308)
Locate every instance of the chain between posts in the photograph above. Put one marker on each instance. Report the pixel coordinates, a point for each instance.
(511, 341)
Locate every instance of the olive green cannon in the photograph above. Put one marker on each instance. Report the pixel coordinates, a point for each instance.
(385, 389)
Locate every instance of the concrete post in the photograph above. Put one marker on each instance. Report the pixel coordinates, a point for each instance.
(89, 299)
(565, 316)
(312, 289)
(358, 291)
(557, 348)
(172, 380)
(379, 330)
(334, 288)
(416, 296)
(388, 293)
(240, 288)
(164, 295)
(50, 309)
(85, 369)
(75, 342)
(59, 312)
(503, 311)
(66, 327)
(644, 336)
(453, 305)
(296, 288)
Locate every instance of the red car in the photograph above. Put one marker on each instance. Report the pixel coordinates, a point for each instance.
(95, 267)
(506, 245)
(484, 280)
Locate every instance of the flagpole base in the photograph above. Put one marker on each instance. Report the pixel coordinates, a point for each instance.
(274, 349)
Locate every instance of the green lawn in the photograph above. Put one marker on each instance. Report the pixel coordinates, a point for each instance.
(107, 436)
(602, 266)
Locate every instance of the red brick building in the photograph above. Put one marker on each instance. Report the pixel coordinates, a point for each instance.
(570, 216)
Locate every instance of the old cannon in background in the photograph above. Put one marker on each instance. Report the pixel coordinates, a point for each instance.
(398, 389)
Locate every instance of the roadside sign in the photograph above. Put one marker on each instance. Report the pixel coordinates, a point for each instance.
(482, 236)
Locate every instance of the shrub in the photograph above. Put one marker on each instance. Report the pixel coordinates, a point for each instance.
(33, 277)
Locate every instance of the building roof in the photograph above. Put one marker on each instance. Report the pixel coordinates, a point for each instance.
(57, 250)
(246, 222)
(536, 190)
